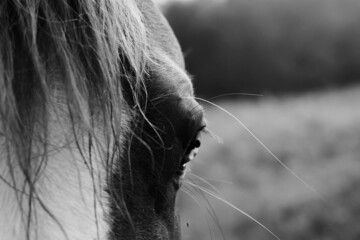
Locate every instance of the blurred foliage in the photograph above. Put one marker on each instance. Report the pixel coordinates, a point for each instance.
(258, 46)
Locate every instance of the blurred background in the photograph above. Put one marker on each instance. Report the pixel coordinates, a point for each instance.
(289, 70)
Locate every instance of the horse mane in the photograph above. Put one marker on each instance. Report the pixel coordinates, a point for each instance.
(99, 47)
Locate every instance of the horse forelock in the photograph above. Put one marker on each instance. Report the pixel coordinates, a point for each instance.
(66, 62)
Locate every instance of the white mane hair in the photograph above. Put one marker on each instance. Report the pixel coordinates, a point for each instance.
(63, 67)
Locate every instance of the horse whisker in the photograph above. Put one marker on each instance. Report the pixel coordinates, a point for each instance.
(236, 94)
(233, 207)
(206, 182)
(264, 147)
(208, 207)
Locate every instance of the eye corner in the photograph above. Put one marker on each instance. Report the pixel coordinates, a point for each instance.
(190, 152)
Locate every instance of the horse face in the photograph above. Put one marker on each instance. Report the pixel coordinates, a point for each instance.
(153, 167)
(90, 175)
(158, 148)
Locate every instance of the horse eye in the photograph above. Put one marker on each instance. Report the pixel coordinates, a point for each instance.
(190, 154)
(193, 149)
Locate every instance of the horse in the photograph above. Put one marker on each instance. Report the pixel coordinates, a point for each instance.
(98, 121)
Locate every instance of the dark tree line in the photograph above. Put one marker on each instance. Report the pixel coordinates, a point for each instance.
(262, 46)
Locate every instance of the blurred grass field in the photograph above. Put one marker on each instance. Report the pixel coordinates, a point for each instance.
(316, 135)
